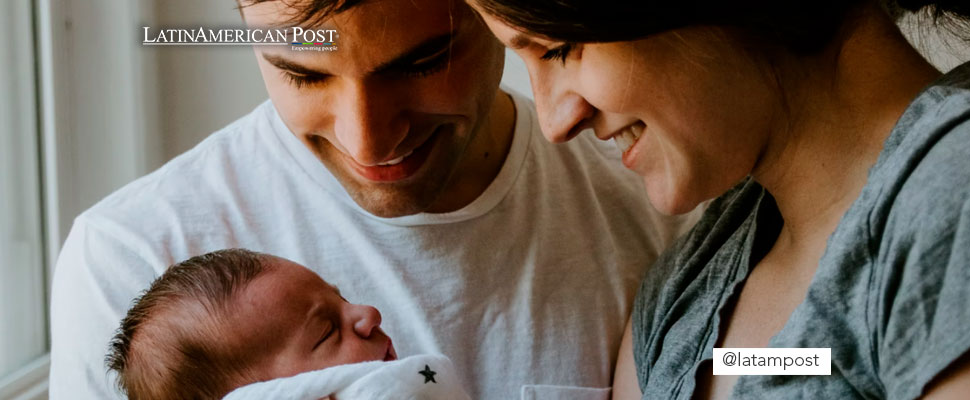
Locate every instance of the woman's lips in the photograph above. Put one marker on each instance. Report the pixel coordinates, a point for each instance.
(627, 141)
(398, 169)
(625, 138)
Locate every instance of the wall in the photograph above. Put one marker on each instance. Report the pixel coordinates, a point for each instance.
(197, 89)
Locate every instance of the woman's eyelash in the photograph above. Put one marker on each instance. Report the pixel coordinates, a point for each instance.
(558, 53)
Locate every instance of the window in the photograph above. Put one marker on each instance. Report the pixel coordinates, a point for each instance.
(23, 284)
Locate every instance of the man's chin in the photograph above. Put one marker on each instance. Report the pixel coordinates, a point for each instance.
(412, 195)
(391, 204)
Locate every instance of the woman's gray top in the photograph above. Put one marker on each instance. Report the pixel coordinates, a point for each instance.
(891, 296)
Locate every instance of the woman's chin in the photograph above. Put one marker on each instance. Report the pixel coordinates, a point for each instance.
(669, 201)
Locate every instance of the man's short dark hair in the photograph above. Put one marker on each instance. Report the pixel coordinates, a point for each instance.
(309, 12)
(167, 346)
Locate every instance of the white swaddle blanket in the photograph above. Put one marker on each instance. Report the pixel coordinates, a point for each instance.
(420, 377)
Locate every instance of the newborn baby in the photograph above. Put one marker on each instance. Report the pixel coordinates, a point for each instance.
(234, 317)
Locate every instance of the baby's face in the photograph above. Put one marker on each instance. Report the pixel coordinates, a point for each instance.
(292, 322)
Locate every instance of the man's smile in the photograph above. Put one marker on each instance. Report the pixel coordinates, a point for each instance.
(400, 168)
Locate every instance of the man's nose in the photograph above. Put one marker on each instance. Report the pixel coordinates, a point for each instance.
(364, 319)
(369, 124)
(560, 106)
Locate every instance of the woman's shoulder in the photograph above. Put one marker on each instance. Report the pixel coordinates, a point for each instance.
(939, 181)
(920, 222)
(921, 276)
(924, 175)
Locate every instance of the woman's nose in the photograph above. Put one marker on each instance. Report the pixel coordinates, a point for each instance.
(559, 102)
(564, 117)
(365, 319)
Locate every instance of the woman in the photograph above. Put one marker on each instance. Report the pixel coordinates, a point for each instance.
(840, 163)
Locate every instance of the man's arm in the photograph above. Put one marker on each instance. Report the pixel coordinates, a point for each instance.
(94, 281)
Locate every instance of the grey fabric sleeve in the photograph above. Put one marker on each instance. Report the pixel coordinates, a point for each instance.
(922, 296)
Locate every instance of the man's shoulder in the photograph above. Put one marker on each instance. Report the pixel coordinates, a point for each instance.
(201, 173)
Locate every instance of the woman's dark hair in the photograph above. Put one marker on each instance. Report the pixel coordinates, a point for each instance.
(798, 25)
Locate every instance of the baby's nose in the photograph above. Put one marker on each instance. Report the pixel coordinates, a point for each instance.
(367, 318)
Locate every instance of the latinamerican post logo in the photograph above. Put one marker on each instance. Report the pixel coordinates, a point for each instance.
(299, 39)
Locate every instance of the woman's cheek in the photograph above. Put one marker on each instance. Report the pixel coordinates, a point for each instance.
(610, 86)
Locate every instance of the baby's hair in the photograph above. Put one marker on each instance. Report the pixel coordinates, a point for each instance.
(167, 346)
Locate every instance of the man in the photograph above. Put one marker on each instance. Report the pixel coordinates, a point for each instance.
(396, 169)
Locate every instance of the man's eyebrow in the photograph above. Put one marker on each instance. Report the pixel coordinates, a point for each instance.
(417, 52)
(420, 51)
(283, 63)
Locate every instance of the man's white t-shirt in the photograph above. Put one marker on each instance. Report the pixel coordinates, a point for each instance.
(527, 289)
